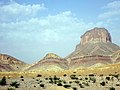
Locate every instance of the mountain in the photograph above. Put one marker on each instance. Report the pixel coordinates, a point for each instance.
(9, 63)
(95, 47)
(50, 62)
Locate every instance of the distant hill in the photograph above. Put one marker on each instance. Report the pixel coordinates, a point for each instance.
(9, 63)
(50, 62)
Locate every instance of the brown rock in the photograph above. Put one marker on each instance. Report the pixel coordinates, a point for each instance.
(95, 47)
(96, 35)
(7, 61)
(48, 61)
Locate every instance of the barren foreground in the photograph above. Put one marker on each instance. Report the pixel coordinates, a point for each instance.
(95, 78)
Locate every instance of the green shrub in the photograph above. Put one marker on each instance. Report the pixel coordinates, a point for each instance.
(102, 83)
(108, 78)
(10, 89)
(77, 82)
(93, 79)
(39, 75)
(66, 86)
(15, 84)
(64, 75)
(73, 77)
(3, 81)
(81, 86)
(112, 88)
(86, 83)
(21, 77)
(42, 85)
(59, 84)
(74, 88)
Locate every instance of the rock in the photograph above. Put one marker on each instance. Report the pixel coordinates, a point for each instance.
(50, 62)
(96, 35)
(51, 55)
(11, 62)
(95, 47)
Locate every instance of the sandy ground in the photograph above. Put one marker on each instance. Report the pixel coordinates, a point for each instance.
(76, 82)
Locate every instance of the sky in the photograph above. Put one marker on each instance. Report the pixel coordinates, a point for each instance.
(29, 29)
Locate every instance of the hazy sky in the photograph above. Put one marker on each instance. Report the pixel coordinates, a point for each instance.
(29, 29)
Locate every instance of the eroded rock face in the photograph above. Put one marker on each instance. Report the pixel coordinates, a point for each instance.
(49, 61)
(95, 47)
(8, 63)
(96, 35)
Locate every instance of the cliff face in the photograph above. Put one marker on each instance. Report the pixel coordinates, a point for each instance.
(95, 47)
(96, 35)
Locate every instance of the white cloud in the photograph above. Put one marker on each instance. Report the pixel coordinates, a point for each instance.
(113, 10)
(113, 5)
(53, 28)
(15, 11)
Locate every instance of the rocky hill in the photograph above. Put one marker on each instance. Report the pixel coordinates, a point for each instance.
(50, 62)
(9, 63)
(95, 47)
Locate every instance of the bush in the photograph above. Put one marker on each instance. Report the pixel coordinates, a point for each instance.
(81, 86)
(59, 84)
(15, 84)
(67, 86)
(102, 83)
(21, 77)
(93, 79)
(112, 88)
(3, 81)
(10, 89)
(64, 75)
(74, 88)
(77, 82)
(42, 85)
(86, 83)
(108, 78)
(73, 77)
(39, 75)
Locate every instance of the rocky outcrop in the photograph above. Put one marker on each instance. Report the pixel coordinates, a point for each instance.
(10, 62)
(95, 47)
(96, 35)
(50, 62)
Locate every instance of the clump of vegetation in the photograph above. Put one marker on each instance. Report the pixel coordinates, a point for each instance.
(86, 83)
(102, 83)
(81, 86)
(77, 82)
(108, 78)
(66, 86)
(74, 77)
(39, 75)
(10, 89)
(65, 75)
(59, 84)
(93, 79)
(116, 75)
(15, 84)
(21, 77)
(3, 81)
(112, 88)
(91, 75)
(74, 88)
(42, 85)
(86, 78)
